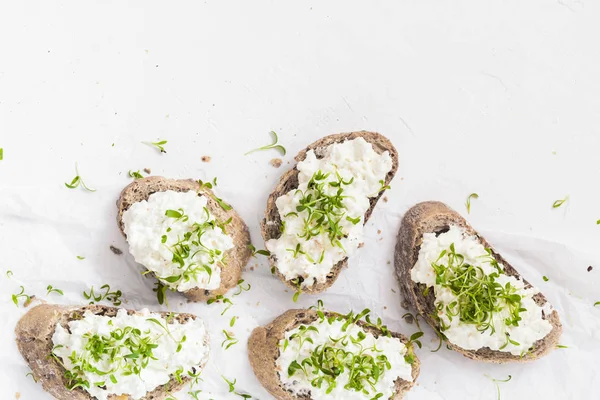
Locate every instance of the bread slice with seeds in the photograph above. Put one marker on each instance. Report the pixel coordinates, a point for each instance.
(236, 258)
(436, 217)
(34, 339)
(264, 350)
(271, 224)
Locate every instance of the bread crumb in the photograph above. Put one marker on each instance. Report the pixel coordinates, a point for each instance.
(257, 303)
(206, 158)
(116, 250)
(385, 307)
(385, 199)
(361, 245)
(18, 395)
(393, 291)
(388, 262)
(276, 162)
(590, 268)
(379, 231)
(147, 170)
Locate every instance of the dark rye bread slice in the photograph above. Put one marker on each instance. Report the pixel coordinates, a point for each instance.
(433, 216)
(34, 339)
(236, 258)
(271, 224)
(263, 352)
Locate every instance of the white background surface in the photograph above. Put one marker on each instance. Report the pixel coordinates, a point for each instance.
(498, 98)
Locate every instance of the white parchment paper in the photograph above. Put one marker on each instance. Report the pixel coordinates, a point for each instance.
(495, 98)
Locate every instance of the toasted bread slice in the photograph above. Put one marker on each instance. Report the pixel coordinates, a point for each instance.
(263, 352)
(436, 217)
(34, 339)
(271, 224)
(237, 257)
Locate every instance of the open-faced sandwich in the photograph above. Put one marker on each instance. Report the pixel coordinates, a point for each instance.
(108, 353)
(320, 355)
(468, 292)
(315, 216)
(189, 239)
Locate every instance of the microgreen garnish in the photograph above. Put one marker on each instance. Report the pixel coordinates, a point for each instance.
(242, 288)
(224, 300)
(265, 253)
(186, 248)
(497, 381)
(545, 278)
(560, 346)
(1, 154)
(598, 222)
(468, 202)
(597, 303)
(32, 376)
(273, 145)
(559, 203)
(159, 145)
(479, 295)
(135, 174)
(229, 341)
(9, 273)
(327, 363)
(51, 289)
(16, 297)
(209, 185)
(80, 257)
(161, 292)
(232, 321)
(113, 297)
(165, 327)
(297, 282)
(78, 180)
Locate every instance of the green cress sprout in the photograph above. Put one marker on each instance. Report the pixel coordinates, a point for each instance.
(208, 185)
(113, 297)
(16, 297)
(559, 203)
(265, 253)
(78, 180)
(51, 289)
(242, 288)
(224, 300)
(229, 340)
(135, 174)
(232, 321)
(497, 381)
(159, 145)
(1, 154)
(273, 145)
(479, 296)
(468, 202)
(80, 257)
(165, 327)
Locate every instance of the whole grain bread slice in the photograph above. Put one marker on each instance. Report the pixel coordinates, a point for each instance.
(436, 217)
(271, 223)
(34, 339)
(263, 352)
(236, 258)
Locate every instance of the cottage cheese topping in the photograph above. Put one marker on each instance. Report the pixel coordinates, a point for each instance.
(297, 346)
(175, 236)
(323, 219)
(77, 346)
(468, 335)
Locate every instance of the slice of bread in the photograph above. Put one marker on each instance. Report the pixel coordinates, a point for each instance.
(263, 352)
(34, 339)
(271, 224)
(237, 257)
(436, 217)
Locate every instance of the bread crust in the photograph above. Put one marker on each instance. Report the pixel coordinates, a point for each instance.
(237, 257)
(271, 223)
(434, 216)
(34, 339)
(263, 351)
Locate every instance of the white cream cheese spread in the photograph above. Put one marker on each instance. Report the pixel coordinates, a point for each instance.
(128, 354)
(477, 304)
(334, 359)
(174, 235)
(322, 220)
